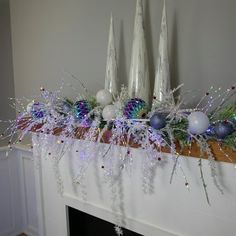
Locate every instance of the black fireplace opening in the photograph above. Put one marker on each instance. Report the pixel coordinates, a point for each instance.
(83, 224)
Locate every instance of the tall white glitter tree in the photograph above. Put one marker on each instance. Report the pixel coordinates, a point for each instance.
(111, 80)
(162, 75)
(139, 84)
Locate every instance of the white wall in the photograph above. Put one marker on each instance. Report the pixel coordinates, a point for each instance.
(6, 67)
(52, 35)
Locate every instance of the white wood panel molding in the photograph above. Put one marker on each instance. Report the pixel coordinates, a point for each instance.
(19, 200)
(25, 157)
(7, 193)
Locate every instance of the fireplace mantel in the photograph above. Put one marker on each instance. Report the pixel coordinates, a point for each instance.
(170, 210)
(220, 152)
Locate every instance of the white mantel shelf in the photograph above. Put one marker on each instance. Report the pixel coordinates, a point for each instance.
(171, 210)
(221, 153)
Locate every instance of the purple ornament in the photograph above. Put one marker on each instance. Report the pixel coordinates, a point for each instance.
(158, 121)
(135, 108)
(81, 109)
(223, 129)
(37, 110)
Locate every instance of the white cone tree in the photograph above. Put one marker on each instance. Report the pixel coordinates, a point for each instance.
(139, 84)
(111, 80)
(162, 75)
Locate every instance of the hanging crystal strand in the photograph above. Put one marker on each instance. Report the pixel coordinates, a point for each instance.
(145, 174)
(115, 183)
(86, 155)
(114, 199)
(149, 162)
(58, 177)
(81, 164)
(94, 158)
(111, 80)
(36, 151)
(203, 180)
(173, 152)
(118, 230)
(84, 160)
(146, 165)
(204, 147)
(107, 163)
(175, 157)
(41, 143)
(97, 166)
(149, 166)
(117, 202)
(83, 189)
(139, 84)
(59, 147)
(128, 155)
(55, 157)
(125, 156)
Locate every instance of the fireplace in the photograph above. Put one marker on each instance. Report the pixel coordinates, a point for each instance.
(168, 211)
(56, 190)
(81, 223)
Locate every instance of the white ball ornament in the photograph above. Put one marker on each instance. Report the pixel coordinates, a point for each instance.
(29, 107)
(198, 122)
(109, 112)
(104, 97)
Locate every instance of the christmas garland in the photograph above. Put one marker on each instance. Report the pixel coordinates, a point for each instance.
(213, 118)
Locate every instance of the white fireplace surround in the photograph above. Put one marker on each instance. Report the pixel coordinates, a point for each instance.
(170, 210)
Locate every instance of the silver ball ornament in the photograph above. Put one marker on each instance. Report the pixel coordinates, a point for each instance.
(158, 121)
(223, 129)
(198, 122)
